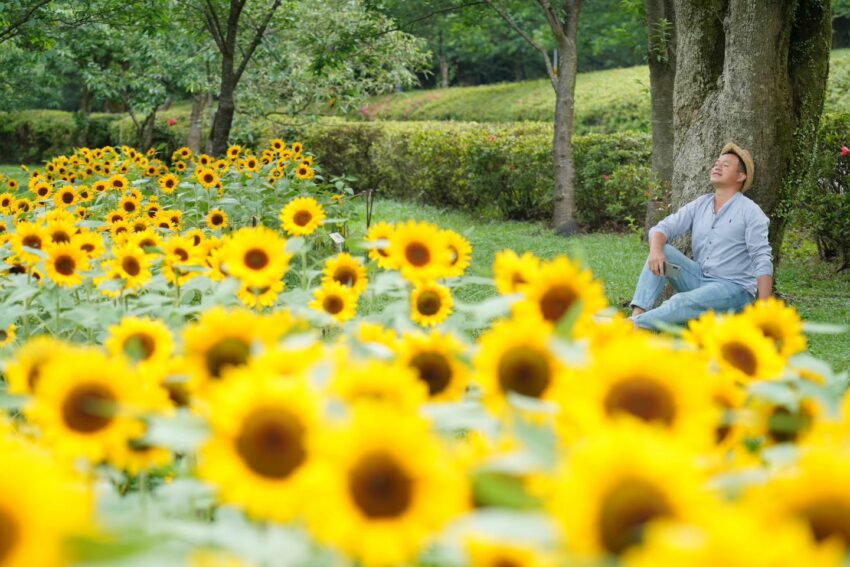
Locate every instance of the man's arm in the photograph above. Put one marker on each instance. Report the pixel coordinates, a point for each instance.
(671, 226)
(765, 287)
(760, 253)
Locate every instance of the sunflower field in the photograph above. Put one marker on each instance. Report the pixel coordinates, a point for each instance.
(204, 363)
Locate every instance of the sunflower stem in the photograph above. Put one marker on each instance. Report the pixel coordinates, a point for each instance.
(305, 283)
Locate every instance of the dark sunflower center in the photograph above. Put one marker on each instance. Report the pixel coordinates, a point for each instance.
(625, 512)
(380, 487)
(524, 370)
(345, 276)
(217, 219)
(67, 198)
(3, 335)
(65, 265)
(147, 243)
(208, 178)
(428, 303)
(88, 248)
(517, 280)
(643, 398)
(557, 301)
(229, 351)
(271, 442)
(741, 357)
(169, 183)
(785, 426)
(60, 236)
(506, 562)
(129, 206)
(417, 254)
(42, 191)
(32, 241)
(333, 304)
(434, 370)
(302, 218)
(88, 408)
(455, 255)
(139, 346)
(774, 333)
(9, 533)
(827, 519)
(256, 259)
(182, 254)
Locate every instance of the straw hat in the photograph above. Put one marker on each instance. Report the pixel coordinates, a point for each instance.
(746, 159)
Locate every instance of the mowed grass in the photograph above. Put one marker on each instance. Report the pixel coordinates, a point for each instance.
(813, 287)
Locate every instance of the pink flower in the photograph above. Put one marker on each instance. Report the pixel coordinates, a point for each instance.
(491, 138)
(605, 178)
(172, 121)
(845, 151)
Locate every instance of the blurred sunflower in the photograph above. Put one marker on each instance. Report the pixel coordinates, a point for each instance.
(435, 358)
(379, 236)
(256, 255)
(132, 265)
(259, 454)
(336, 300)
(64, 264)
(780, 323)
(118, 183)
(741, 349)
(217, 219)
(168, 183)
(420, 251)
(140, 341)
(460, 254)
(378, 381)
(486, 551)
(260, 296)
(346, 270)
(207, 177)
(7, 335)
(430, 304)
(513, 272)
(91, 243)
(376, 500)
(23, 372)
(29, 235)
(302, 216)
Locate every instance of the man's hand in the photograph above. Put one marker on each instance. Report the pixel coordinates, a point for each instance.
(656, 262)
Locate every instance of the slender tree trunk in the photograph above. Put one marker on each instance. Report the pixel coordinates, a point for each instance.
(83, 116)
(661, 28)
(196, 118)
(753, 73)
(223, 120)
(564, 217)
(147, 130)
(444, 71)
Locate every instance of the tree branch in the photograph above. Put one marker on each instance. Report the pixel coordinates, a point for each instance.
(553, 78)
(258, 37)
(214, 25)
(10, 32)
(439, 11)
(554, 21)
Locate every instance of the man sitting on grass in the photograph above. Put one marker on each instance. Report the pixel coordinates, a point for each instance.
(732, 257)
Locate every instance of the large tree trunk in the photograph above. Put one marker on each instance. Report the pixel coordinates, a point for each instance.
(564, 217)
(223, 120)
(196, 118)
(661, 28)
(753, 73)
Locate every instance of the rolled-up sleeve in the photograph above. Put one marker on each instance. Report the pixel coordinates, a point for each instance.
(678, 223)
(758, 245)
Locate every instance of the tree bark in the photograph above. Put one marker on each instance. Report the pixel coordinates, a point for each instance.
(661, 28)
(753, 73)
(444, 71)
(193, 139)
(562, 149)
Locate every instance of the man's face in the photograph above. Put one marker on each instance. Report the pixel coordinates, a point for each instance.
(726, 172)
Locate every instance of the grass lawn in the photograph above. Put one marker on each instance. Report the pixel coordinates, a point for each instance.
(811, 286)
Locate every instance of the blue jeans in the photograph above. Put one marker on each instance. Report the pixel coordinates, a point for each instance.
(696, 293)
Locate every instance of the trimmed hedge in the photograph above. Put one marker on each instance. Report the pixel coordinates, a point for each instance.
(36, 135)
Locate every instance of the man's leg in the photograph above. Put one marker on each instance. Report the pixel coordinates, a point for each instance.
(682, 307)
(650, 286)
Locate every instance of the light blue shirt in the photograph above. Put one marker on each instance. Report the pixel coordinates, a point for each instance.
(731, 245)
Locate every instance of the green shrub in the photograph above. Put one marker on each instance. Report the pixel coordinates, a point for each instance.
(37, 135)
(824, 203)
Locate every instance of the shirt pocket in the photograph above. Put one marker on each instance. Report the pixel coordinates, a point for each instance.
(734, 228)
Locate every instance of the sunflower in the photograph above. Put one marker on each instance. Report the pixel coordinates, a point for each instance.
(6, 200)
(7, 335)
(65, 197)
(168, 183)
(374, 498)
(29, 235)
(335, 300)
(378, 334)
(514, 358)
(378, 237)
(23, 205)
(61, 230)
(435, 357)
(43, 190)
(260, 452)
(700, 330)
(64, 263)
(87, 404)
(207, 177)
(557, 287)
(277, 144)
(40, 507)
(221, 339)
(461, 254)
(638, 378)
(180, 252)
(251, 164)
(129, 205)
(256, 255)
(180, 166)
(196, 235)
(617, 483)
(24, 371)
(260, 296)
(740, 349)
(138, 455)
(304, 172)
(234, 151)
(430, 304)
(131, 264)
(732, 537)
(375, 380)
(118, 183)
(512, 272)
(347, 270)
(780, 323)
(302, 216)
(420, 251)
(217, 219)
(773, 423)
(140, 341)
(484, 551)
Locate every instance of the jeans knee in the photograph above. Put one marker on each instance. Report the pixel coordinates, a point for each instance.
(669, 249)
